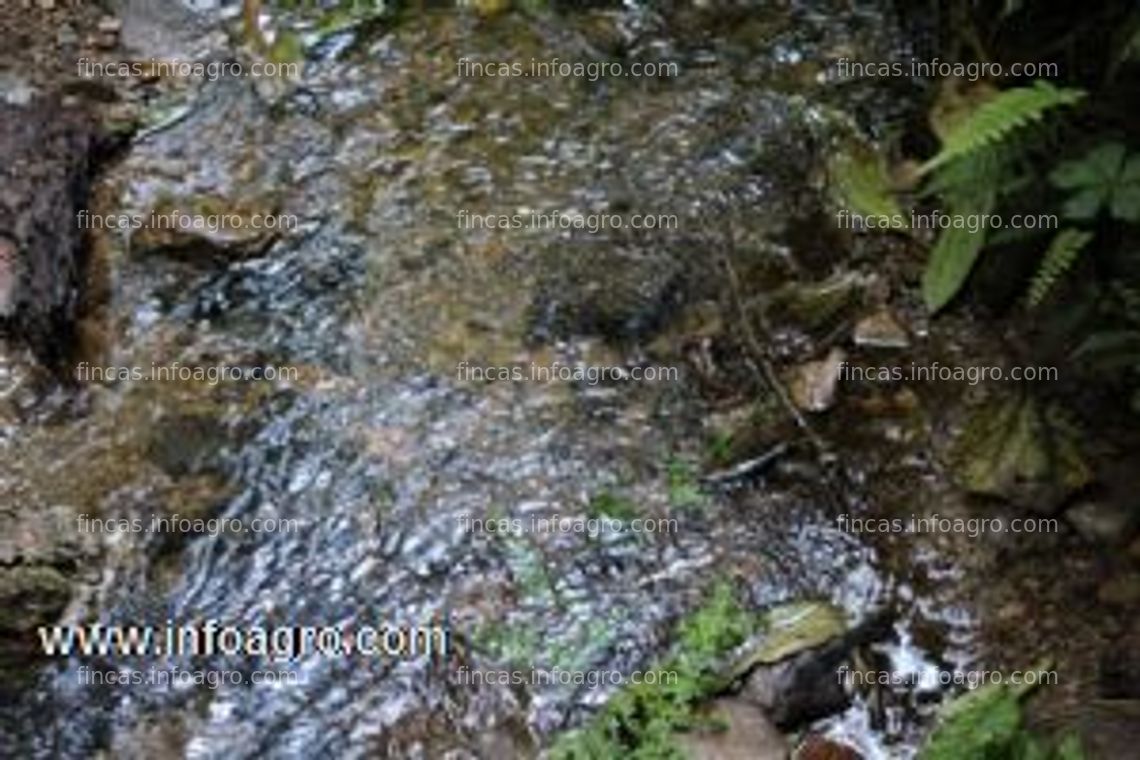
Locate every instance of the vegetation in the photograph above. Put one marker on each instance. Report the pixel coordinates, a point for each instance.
(987, 724)
(640, 721)
(1068, 155)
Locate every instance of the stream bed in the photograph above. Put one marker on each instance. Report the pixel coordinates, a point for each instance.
(382, 445)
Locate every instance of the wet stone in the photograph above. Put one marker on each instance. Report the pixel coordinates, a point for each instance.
(1102, 521)
(814, 384)
(880, 330)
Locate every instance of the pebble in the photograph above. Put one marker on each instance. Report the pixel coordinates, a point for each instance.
(880, 330)
(108, 32)
(814, 384)
(1121, 591)
(1101, 521)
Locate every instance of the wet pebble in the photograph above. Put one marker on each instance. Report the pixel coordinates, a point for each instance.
(880, 330)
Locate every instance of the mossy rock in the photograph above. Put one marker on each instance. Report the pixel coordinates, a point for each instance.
(813, 306)
(31, 596)
(788, 630)
(1014, 449)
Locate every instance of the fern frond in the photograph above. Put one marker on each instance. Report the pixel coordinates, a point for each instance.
(1059, 257)
(992, 121)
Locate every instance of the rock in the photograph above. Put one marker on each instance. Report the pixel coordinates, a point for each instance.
(41, 552)
(792, 669)
(816, 747)
(30, 596)
(813, 306)
(1106, 728)
(747, 735)
(1105, 522)
(1121, 590)
(880, 330)
(799, 690)
(1118, 675)
(1012, 449)
(107, 35)
(7, 277)
(49, 153)
(205, 229)
(66, 36)
(814, 384)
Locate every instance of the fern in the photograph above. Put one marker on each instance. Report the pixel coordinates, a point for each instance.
(995, 119)
(1059, 257)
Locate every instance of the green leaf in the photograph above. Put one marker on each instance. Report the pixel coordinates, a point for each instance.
(1126, 198)
(1099, 167)
(1102, 178)
(1085, 204)
(995, 118)
(951, 261)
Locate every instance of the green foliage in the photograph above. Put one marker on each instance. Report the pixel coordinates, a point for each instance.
(995, 119)
(1062, 252)
(1105, 178)
(952, 259)
(971, 171)
(987, 724)
(640, 720)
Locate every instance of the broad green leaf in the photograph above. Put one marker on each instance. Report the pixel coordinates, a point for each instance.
(1100, 166)
(1086, 203)
(951, 260)
(1126, 198)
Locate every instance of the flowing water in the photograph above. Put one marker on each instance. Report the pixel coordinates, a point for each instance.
(381, 448)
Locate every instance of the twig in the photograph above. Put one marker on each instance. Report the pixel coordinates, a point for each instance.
(768, 374)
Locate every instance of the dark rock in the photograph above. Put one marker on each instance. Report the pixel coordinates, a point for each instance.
(31, 596)
(49, 153)
(188, 444)
(1119, 670)
(41, 553)
(1106, 522)
(806, 686)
